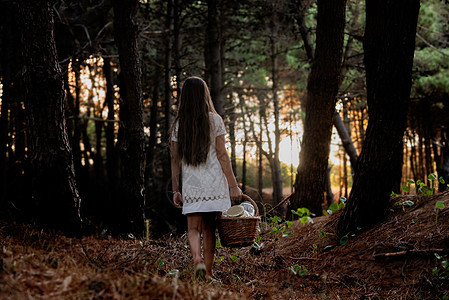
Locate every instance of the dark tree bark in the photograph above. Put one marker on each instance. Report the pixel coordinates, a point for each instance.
(173, 15)
(8, 11)
(273, 160)
(99, 166)
(111, 165)
(153, 125)
(276, 172)
(322, 89)
(260, 171)
(214, 57)
(177, 44)
(245, 139)
(87, 152)
(76, 148)
(427, 134)
(345, 139)
(3, 138)
(442, 157)
(19, 122)
(243, 180)
(131, 144)
(53, 180)
(411, 138)
(389, 46)
(443, 167)
(329, 193)
(300, 7)
(233, 143)
(258, 140)
(168, 100)
(70, 102)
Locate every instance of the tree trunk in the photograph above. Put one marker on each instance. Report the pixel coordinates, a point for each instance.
(301, 6)
(245, 139)
(343, 129)
(70, 102)
(427, 134)
(243, 180)
(149, 173)
(99, 167)
(443, 164)
(260, 172)
(19, 123)
(131, 144)
(233, 143)
(154, 183)
(411, 138)
(345, 139)
(111, 165)
(260, 158)
(76, 148)
(275, 163)
(177, 44)
(322, 89)
(329, 193)
(421, 164)
(3, 137)
(389, 45)
(168, 101)
(214, 56)
(88, 153)
(7, 63)
(172, 16)
(273, 160)
(53, 180)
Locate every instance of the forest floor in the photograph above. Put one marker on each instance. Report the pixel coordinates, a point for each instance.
(37, 264)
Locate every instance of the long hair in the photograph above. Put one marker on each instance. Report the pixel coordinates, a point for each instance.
(194, 127)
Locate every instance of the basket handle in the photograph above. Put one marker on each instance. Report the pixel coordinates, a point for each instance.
(248, 198)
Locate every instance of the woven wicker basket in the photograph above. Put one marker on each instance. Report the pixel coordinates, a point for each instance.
(239, 231)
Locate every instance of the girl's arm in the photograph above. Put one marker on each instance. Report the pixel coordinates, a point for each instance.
(225, 162)
(175, 170)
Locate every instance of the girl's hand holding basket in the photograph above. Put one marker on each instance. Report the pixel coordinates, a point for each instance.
(235, 193)
(177, 199)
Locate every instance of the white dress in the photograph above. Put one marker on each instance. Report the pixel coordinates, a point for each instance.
(204, 187)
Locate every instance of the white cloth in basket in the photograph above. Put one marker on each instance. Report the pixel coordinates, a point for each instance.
(204, 187)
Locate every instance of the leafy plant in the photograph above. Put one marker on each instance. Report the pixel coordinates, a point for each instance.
(218, 243)
(255, 246)
(441, 180)
(439, 206)
(219, 258)
(406, 202)
(344, 239)
(298, 270)
(335, 206)
(421, 188)
(235, 257)
(303, 215)
(442, 273)
(280, 227)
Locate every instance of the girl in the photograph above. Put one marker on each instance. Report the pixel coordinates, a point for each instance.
(208, 182)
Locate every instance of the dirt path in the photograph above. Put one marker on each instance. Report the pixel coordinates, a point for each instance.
(36, 264)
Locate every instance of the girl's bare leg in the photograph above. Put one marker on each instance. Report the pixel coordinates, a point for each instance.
(194, 225)
(209, 226)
